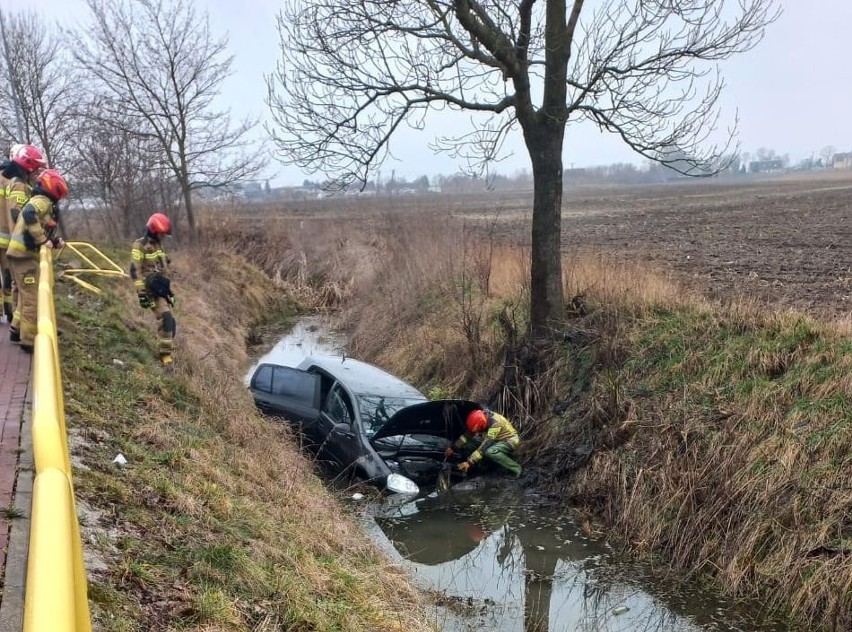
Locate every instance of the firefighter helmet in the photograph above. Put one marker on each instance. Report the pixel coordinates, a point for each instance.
(53, 183)
(476, 421)
(159, 224)
(14, 150)
(29, 158)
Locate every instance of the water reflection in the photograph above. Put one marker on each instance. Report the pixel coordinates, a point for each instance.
(309, 336)
(506, 563)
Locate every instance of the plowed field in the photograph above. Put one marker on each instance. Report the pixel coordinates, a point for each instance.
(784, 241)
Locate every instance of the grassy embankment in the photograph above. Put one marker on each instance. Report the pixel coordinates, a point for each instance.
(217, 522)
(716, 438)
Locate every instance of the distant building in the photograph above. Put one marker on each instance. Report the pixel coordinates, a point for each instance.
(842, 161)
(765, 166)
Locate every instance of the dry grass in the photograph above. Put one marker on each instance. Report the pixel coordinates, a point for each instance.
(218, 522)
(715, 436)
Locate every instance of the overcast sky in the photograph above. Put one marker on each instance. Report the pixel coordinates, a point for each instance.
(793, 92)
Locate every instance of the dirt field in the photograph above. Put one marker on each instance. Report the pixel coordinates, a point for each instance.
(785, 240)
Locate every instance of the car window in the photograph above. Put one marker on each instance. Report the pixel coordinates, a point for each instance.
(263, 379)
(338, 407)
(326, 382)
(377, 410)
(294, 384)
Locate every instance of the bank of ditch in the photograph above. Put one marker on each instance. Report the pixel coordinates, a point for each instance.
(217, 521)
(714, 439)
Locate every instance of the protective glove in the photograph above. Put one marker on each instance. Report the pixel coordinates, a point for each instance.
(449, 452)
(145, 301)
(464, 467)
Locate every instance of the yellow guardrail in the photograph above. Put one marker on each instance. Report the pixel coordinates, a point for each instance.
(56, 592)
(99, 265)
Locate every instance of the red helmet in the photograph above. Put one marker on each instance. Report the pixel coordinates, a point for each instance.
(159, 224)
(53, 183)
(29, 157)
(476, 421)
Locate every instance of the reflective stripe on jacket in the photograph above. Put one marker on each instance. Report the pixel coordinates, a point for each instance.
(147, 257)
(499, 429)
(5, 231)
(15, 198)
(30, 229)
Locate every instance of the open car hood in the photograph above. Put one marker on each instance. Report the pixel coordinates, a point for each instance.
(441, 418)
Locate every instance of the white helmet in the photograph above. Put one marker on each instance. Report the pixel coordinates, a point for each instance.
(16, 148)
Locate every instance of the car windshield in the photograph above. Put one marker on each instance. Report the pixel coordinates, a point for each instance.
(376, 410)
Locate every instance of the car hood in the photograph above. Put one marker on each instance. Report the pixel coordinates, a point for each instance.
(441, 418)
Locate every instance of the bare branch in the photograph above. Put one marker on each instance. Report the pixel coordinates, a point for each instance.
(160, 67)
(352, 72)
(44, 87)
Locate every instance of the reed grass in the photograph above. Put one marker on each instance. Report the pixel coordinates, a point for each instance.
(715, 437)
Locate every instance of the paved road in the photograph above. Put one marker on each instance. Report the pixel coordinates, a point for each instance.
(15, 367)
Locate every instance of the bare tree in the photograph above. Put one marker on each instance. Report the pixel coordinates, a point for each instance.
(116, 169)
(41, 87)
(827, 155)
(352, 72)
(161, 68)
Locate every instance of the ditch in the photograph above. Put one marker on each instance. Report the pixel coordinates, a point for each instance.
(497, 558)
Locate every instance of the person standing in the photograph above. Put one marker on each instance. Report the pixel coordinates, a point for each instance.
(149, 270)
(5, 232)
(33, 229)
(25, 161)
(497, 439)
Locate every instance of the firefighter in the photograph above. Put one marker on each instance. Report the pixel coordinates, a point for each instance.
(497, 440)
(149, 269)
(5, 272)
(34, 228)
(24, 163)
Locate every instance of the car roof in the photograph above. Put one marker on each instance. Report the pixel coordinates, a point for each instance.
(362, 378)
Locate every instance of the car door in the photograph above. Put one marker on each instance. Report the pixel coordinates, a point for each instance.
(336, 424)
(288, 392)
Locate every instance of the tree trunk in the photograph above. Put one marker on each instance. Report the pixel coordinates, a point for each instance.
(190, 214)
(544, 141)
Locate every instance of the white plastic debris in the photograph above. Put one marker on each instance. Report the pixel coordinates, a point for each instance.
(117, 362)
(357, 496)
(619, 610)
(120, 459)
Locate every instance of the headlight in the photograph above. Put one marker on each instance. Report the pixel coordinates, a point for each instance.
(399, 484)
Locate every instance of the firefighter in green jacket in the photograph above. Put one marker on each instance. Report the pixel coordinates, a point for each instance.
(149, 269)
(34, 229)
(498, 441)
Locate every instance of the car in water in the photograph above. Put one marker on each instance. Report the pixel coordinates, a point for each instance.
(372, 425)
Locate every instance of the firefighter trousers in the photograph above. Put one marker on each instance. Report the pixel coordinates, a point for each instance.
(25, 275)
(166, 326)
(9, 291)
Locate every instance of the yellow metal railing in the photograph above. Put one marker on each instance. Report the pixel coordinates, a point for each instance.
(99, 265)
(56, 591)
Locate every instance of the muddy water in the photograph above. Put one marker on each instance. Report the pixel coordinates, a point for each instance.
(497, 558)
(505, 561)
